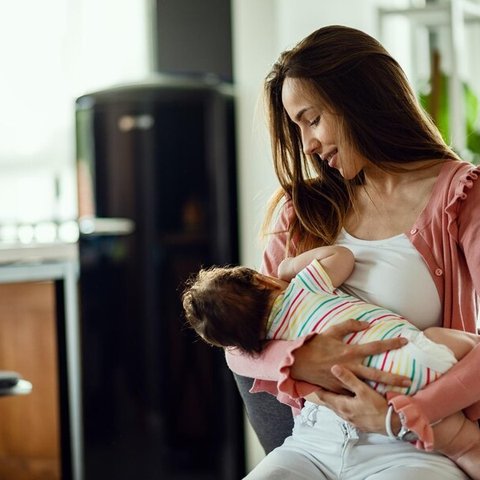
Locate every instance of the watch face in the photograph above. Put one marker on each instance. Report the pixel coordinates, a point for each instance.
(409, 436)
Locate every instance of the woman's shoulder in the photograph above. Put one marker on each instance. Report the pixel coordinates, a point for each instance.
(457, 188)
(455, 172)
(455, 179)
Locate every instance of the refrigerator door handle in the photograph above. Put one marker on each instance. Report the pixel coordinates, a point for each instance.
(95, 226)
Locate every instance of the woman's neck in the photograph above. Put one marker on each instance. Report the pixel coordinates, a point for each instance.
(381, 182)
(388, 204)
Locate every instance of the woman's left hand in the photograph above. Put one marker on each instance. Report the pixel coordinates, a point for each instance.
(366, 409)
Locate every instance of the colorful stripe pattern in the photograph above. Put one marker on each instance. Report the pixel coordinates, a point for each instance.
(311, 304)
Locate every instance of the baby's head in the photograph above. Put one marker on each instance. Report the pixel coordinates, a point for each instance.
(229, 307)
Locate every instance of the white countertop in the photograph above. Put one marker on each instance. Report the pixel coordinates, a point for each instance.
(18, 253)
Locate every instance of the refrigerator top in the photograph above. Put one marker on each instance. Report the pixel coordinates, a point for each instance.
(157, 86)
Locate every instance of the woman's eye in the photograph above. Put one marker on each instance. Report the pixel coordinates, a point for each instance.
(315, 122)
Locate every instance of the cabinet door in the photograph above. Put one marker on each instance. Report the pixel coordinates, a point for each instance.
(29, 426)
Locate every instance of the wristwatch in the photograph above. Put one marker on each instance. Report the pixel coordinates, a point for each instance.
(406, 435)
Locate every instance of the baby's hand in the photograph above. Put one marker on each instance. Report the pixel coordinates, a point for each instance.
(285, 269)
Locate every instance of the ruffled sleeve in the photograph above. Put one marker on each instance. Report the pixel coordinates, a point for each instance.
(286, 389)
(458, 209)
(416, 420)
(290, 389)
(272, 371)
(468, 223)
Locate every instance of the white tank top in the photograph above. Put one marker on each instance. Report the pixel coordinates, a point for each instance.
(391, 273)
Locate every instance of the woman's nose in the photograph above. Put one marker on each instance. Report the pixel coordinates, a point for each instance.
(310, 145)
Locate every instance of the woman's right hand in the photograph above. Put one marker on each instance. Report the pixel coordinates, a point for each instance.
(314, 360)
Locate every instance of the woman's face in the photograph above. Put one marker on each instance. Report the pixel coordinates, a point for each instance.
(319, 130)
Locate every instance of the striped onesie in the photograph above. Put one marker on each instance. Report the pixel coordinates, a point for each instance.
(311, 304)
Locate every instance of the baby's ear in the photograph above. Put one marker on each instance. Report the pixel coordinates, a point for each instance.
(258, 281)
(269, 283)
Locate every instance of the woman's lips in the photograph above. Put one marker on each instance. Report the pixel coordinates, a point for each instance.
(330, 158)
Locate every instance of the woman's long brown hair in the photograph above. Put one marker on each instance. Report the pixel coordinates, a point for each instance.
(352, 75)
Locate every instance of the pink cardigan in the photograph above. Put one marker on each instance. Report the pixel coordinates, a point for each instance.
(445, 234)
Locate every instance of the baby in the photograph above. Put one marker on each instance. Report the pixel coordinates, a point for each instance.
(239, 307)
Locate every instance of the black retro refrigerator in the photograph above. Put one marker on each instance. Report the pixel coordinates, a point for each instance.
(157, 200)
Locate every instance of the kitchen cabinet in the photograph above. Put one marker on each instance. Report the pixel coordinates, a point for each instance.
(30, 429)
(40, 435)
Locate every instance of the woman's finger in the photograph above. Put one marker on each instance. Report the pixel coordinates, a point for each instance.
(329, 399)
(379, 376)
(348, 379)
(371, 348)
(380, 346)
(348, 326)
(365, 408)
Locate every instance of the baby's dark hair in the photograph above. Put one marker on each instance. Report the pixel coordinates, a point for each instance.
(228, 307)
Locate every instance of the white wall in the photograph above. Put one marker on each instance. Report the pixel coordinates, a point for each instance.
(254, 25)
(298, 19)
(53, 51)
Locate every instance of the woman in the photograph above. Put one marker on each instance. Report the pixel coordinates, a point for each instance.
(361, 165)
